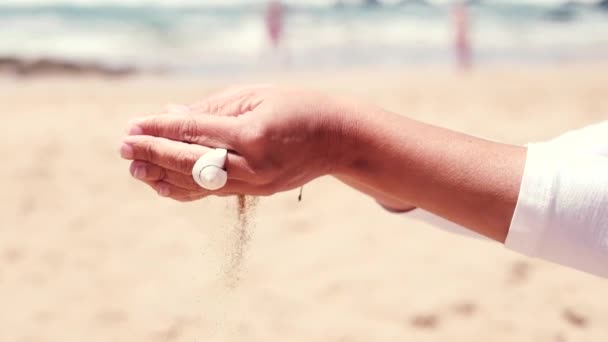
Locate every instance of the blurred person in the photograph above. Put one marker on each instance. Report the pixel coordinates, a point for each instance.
(547, 200)
(275, 28)
(274, 22)
(462, 42)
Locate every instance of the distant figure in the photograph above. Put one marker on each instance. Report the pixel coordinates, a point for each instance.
(274, 22)
(462, 43)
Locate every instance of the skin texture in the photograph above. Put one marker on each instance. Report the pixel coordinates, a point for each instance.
(280, 139)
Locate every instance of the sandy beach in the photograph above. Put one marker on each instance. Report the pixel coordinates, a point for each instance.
(89, 254)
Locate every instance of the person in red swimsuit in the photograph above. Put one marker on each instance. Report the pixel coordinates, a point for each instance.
(462, 42)
(274, 22)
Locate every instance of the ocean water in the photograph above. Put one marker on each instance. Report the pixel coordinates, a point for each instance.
(220, 36)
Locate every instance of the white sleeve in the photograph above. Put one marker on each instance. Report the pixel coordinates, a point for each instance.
(562, 209)
(560, 214)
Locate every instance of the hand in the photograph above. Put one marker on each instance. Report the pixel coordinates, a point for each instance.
(279, 139)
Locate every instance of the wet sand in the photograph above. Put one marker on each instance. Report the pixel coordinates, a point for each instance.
(88, 254)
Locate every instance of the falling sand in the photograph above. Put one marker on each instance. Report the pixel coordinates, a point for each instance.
(240, 239)
(222, 314)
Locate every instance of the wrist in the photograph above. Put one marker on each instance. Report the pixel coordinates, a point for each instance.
(365, 154)
(352, 145)
(365, 143)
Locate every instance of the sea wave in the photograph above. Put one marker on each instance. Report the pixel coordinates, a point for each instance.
(231, 36)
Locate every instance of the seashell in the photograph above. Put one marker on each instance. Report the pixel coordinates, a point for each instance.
(208, 172)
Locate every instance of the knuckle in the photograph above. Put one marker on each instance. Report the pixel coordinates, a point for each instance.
(162, 174)
(215, 107)
(188, 130)
(149, 150)
(184, 160)
(154, 126)
(208, 106)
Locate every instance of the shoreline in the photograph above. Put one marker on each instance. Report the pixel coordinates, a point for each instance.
(29, 67)
(64, 67)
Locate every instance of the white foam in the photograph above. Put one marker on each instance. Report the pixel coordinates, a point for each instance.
(242, 2)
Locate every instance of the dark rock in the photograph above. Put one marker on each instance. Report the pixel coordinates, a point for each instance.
(565, 12)
(47, 66)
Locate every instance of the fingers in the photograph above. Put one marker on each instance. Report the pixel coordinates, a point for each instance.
(233, 188)
(164, 189)
(168, 109)
(206, 130)
(169, 154)
(149, 172)
(180, 187)
(164, 162)
(229, 102)
(179, 157)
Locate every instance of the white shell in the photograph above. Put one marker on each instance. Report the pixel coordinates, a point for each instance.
(208, 172)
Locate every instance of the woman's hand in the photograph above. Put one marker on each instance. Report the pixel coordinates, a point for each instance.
(281, 139)
(278, 139)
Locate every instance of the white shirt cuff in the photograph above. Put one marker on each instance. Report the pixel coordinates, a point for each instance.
(562, 210)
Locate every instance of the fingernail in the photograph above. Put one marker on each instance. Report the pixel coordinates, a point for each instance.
(140, 172)
(163, 190)
(135, 130)
(126, 151)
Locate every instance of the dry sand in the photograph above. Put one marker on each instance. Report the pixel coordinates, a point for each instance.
(88, 254)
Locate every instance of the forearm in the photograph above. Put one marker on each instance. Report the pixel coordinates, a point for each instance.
(470, 181)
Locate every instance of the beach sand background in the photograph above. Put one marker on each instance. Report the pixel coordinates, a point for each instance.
(88, 254)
